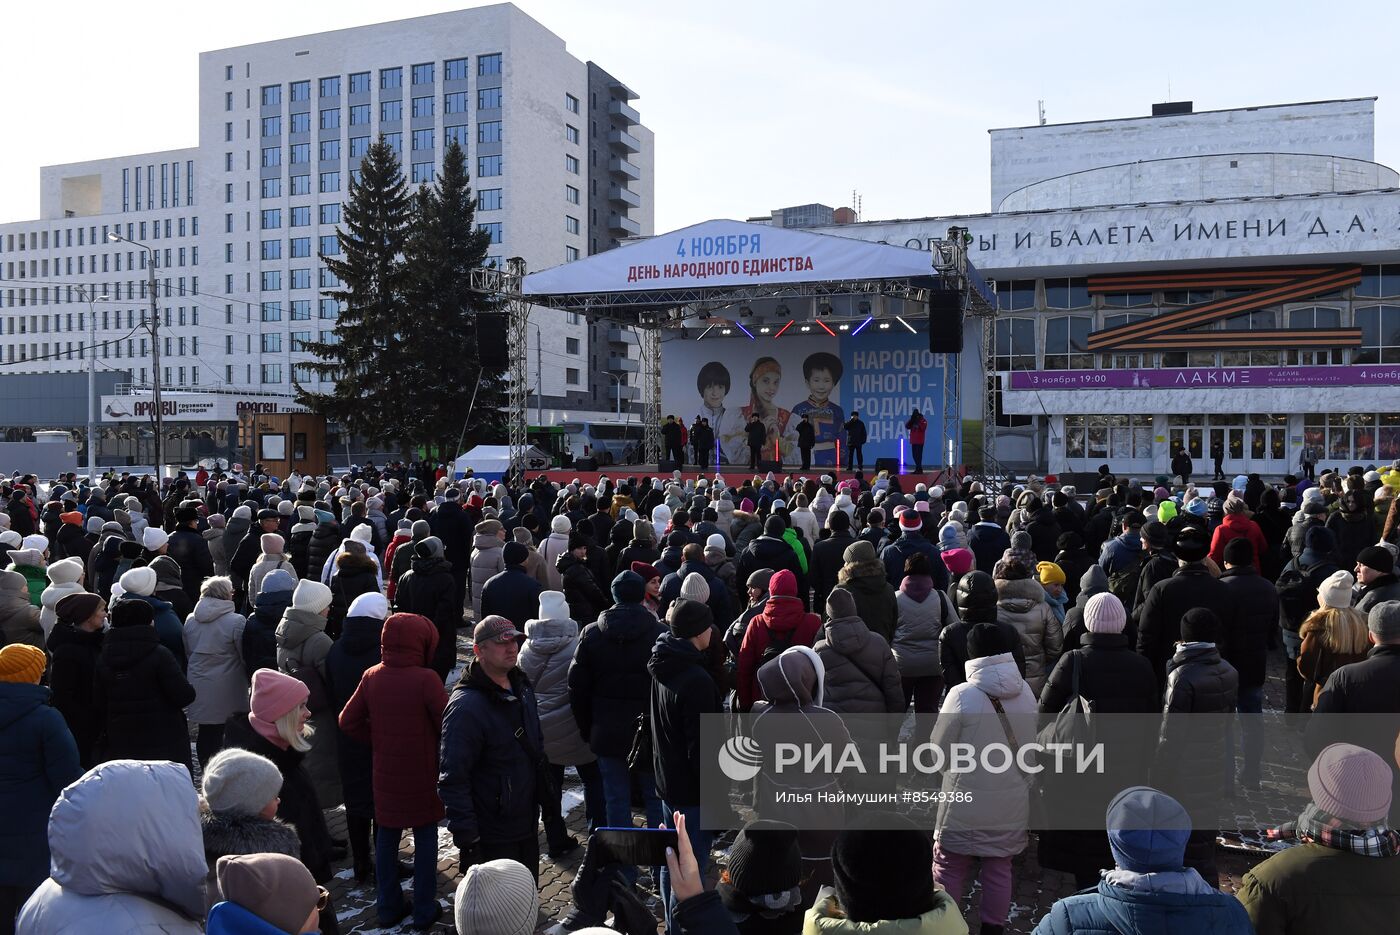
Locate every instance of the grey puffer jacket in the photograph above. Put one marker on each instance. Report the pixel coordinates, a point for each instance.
(923, 613)
(265, 565)
(1190, 751)
(214, 647)
(545, 657)
(127, 855)
(1021, 603)
(861, 674)
(214, 538)
(487, 561)
(302, 641)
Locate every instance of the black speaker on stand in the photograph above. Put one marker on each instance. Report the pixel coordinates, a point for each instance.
(774, 466)
(887, 464)
(492, 343)
(666, 467)
(585, 464)
(945, 322)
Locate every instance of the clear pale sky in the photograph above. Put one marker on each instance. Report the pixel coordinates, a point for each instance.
(756, 104)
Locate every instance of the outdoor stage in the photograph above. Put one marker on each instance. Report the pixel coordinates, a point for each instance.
(732, 477)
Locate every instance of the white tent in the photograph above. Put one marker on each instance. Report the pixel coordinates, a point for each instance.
(492, 461)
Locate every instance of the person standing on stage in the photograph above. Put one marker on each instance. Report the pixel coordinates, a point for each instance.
(755, 433)
(917, 427)
(697, 441)
(806, 438)
(671, 433)
(855, 440)
(1217, 453)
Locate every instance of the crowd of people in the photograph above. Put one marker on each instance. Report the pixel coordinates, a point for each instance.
(193, 673)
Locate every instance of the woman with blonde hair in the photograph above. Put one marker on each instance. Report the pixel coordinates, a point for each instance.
(1334, 635)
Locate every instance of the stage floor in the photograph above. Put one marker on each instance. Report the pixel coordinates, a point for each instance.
(732, 476)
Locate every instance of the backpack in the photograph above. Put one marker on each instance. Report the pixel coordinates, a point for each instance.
(776, 647)
(1123, 583)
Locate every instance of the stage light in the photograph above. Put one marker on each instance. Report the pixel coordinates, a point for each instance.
(863, 307)
(745, 312)
(764, 330)
(844, 326)
(822, 325)
(884, 326)
(783, 311)
(727, 331)
(805, 328)
(782, 329)
(746, 331)
(707, 331)
(861, 327)
(703, 316)
(900, 319)
(824, 309)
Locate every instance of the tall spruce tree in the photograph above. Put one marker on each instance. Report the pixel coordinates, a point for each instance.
(444, 246)
(371, 363)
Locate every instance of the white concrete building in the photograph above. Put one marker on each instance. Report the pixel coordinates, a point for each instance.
(1220, 281)
(558, 157)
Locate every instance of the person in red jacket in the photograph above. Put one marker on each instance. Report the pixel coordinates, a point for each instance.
(397, 710)
(917, 426)
(1236, 525)
(783, 623)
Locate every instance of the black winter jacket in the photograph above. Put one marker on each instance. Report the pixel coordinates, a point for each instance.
(1190, 764)
(243, 558)
(513, 594)
(189, 549)
(429, 589)
(898, 552)
(775, 554)
(1245, 636)
(1044, 533)
(608, 680)
(455, 529)
(71, 542)
(720, 607)
(681, 692)
(488, 781)
(828, 555)
(987, 541)
(260, 632)
(348, 658)
(325, 539)
(583, 592)
(139, 698)
(1159, 622)
(637, 551)
(71, 679)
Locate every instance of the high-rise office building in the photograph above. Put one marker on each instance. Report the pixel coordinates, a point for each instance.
(559, 160)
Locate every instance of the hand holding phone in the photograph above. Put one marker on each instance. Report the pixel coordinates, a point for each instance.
(639, 847)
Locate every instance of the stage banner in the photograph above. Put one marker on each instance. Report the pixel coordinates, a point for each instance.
(881, 374)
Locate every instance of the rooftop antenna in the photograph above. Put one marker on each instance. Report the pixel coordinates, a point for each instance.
(1040, 107)
(855, 203)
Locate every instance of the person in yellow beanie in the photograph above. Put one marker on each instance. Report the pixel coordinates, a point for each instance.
(1052, 579)
(37, 759)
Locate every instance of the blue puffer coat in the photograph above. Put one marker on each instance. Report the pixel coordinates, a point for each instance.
(37, 759)
(1169, 910)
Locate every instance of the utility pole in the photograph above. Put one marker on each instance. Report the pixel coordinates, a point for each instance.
(539, 369)
(92, 383)
(154, 328)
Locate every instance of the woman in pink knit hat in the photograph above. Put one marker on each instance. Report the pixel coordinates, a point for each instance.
(277, 728)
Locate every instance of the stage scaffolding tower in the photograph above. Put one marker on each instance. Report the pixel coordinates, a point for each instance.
(507, 284)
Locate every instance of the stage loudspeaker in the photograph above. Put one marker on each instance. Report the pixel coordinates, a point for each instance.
(774, 466)
(666, 467)
(492, 343)
(887, 464)
(585, 464)
(945, 330)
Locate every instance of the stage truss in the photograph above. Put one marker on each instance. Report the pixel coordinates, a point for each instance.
(651, 312)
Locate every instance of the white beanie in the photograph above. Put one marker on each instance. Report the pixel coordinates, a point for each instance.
(67, 571)
(309, 595)
(715, 541)
(243, 512)
(498, 897)
(695, 587)
(36, 542)
(370, 604)
(553, 606)
(560, 523)
(10, 539)
(140, 581)
(362, 533)
(153, 538)
(1335, 590)
(285, 507)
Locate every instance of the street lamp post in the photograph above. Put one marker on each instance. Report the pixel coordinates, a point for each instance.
(86, 293)
(618, 380)
(154, 328)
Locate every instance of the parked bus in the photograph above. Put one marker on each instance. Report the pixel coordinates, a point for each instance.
(609, 442)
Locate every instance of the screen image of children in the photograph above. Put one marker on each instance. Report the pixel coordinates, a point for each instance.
(765, 379)
(822, 371)
(712, 383)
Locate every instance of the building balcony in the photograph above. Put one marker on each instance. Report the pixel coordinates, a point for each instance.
(622, 224)
(622, 336)
(618, 364)
(626, 393)
(620, 166)
(622, 195)
(623, 110)
(624, 140)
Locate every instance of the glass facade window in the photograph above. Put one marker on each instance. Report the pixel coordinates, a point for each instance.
(493, 228)
(301, 279)
(330, 150)
(390, 78)
(271, 95)
(330, 118)
(422, 107)
(1015, 344)
(272, 311)
(272, 249)
(571, 103)
(271, 156)
(421, 173)
(327, 308)
(1379, 281)
(1067, 293)
(422, 140)
(455, 134)
(1067, 343)
(423, 74)
(1187, 296)
(1349, 437)
(571, 133)
(271, 342)
(1124, 360)
(1126, 299)
(301, 90)
(571, 164)
(1380, 335)
(359, 115)
(570, 225)
(272, 282)
(1107, 437)
(271, 126)
(359, 82)
(330, 87)
(300, 247)
(488, 98)
(571, 194)
(271, 373)
(301, 184)
(455, 69)
(454, 102)
(1015, 295)
(271, 219)
(488, 64)
(488, 199)
(390, 111)
(298, 153)
(330, 214)
(359, 145)
(488, 131)
(330, 244)
(272, 188)
(301, 122)
(329, 182)
(488, 166)
(395, 141)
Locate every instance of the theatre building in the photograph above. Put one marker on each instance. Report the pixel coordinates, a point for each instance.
(1219, 280)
